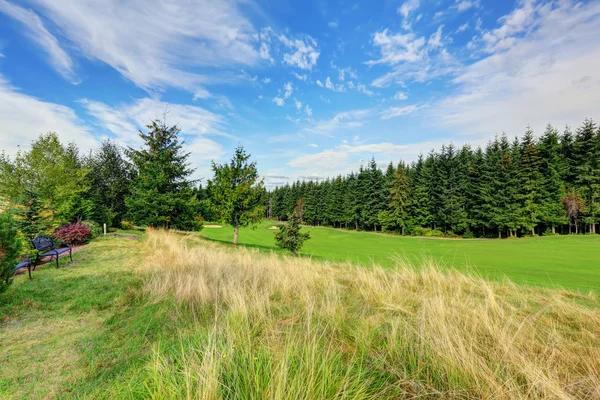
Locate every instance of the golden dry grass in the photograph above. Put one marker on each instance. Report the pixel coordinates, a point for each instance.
(267, 326)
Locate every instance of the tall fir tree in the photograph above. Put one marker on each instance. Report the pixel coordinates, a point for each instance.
(236, 192)
(553, 169)
(532, 182)
(162, 194)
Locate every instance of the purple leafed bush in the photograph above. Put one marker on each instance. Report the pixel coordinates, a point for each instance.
(77, 233)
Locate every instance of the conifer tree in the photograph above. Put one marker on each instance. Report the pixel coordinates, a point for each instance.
(236, 192)
(587, 158)
(396, 213)
(289, 236)
(532, 182)
(553, 169)
(373, 191)
(110, 183)
(162, 194)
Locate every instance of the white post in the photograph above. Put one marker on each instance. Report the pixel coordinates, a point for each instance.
(105, 229)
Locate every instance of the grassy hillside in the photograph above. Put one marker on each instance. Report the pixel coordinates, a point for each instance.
(569, 261)
(179, 317)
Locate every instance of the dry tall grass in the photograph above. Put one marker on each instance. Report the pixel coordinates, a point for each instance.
(267, 326)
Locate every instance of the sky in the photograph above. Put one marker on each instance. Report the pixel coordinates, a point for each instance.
(310, 88)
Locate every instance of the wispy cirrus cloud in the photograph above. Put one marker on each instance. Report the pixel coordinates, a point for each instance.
(37, 32)
(183, 44)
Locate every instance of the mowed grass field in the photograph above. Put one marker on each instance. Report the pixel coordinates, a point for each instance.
(568, 261)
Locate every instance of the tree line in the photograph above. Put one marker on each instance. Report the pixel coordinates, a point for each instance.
(53, 184)
(524, 186)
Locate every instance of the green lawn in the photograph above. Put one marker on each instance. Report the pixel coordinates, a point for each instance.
(81, 331)
(568, 261)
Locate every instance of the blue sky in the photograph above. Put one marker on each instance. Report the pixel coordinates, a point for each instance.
(310, 88)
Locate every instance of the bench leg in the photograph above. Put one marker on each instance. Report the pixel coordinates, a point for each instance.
(57, 261)
(71, 254)
(29, 270)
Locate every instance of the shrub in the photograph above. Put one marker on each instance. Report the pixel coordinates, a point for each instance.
(127, 225)
(10, 248)
(468, 234)
(76, 233)
(420, 231)
(95, 228)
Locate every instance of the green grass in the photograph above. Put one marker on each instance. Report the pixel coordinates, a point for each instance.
(80, 330)
(569, 261)
(94, 330)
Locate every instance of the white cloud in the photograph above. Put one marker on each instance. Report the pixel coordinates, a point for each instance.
(526, 17)
(265, 53)
(319, 83)
(412, 58)
(196, 124)
(393, 112)
(291, 119)
(300, 77)
(37, 32)
(435, 40)
(25, 117)
(363, 89)
(313, 145)
(341, 121)
(398, 48)
(125, 120)
(168, 45)
(331, 86)
(334, 24)
(463, 27)
(308, 110)
(325, 163)
(464, 5)
(279, 101)
(549, 74)
(298, 104)
(405, 10)
(202, 93)
(324, 99)
(289, 89)
(304, 53)
(267, 80)
(400, 96)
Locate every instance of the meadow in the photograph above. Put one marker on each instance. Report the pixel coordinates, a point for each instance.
(570, 261)
(163, 315)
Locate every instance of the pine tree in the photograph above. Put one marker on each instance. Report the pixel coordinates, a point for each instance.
(420, 176)
(289, 236)
(32, 216)
(587, 158)
(373, 191)
(236, 192)
(396, 213)
(553, 170)
(474, 192)
(532, 182)
(110, 177)
(162, 194)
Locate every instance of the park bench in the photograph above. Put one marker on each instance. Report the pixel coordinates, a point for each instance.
(25, 264)
(45, 244)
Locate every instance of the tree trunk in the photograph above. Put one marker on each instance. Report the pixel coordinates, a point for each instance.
(402, 230)
(236, 232)
(532, 231)
(553, 229)
(499, 234)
